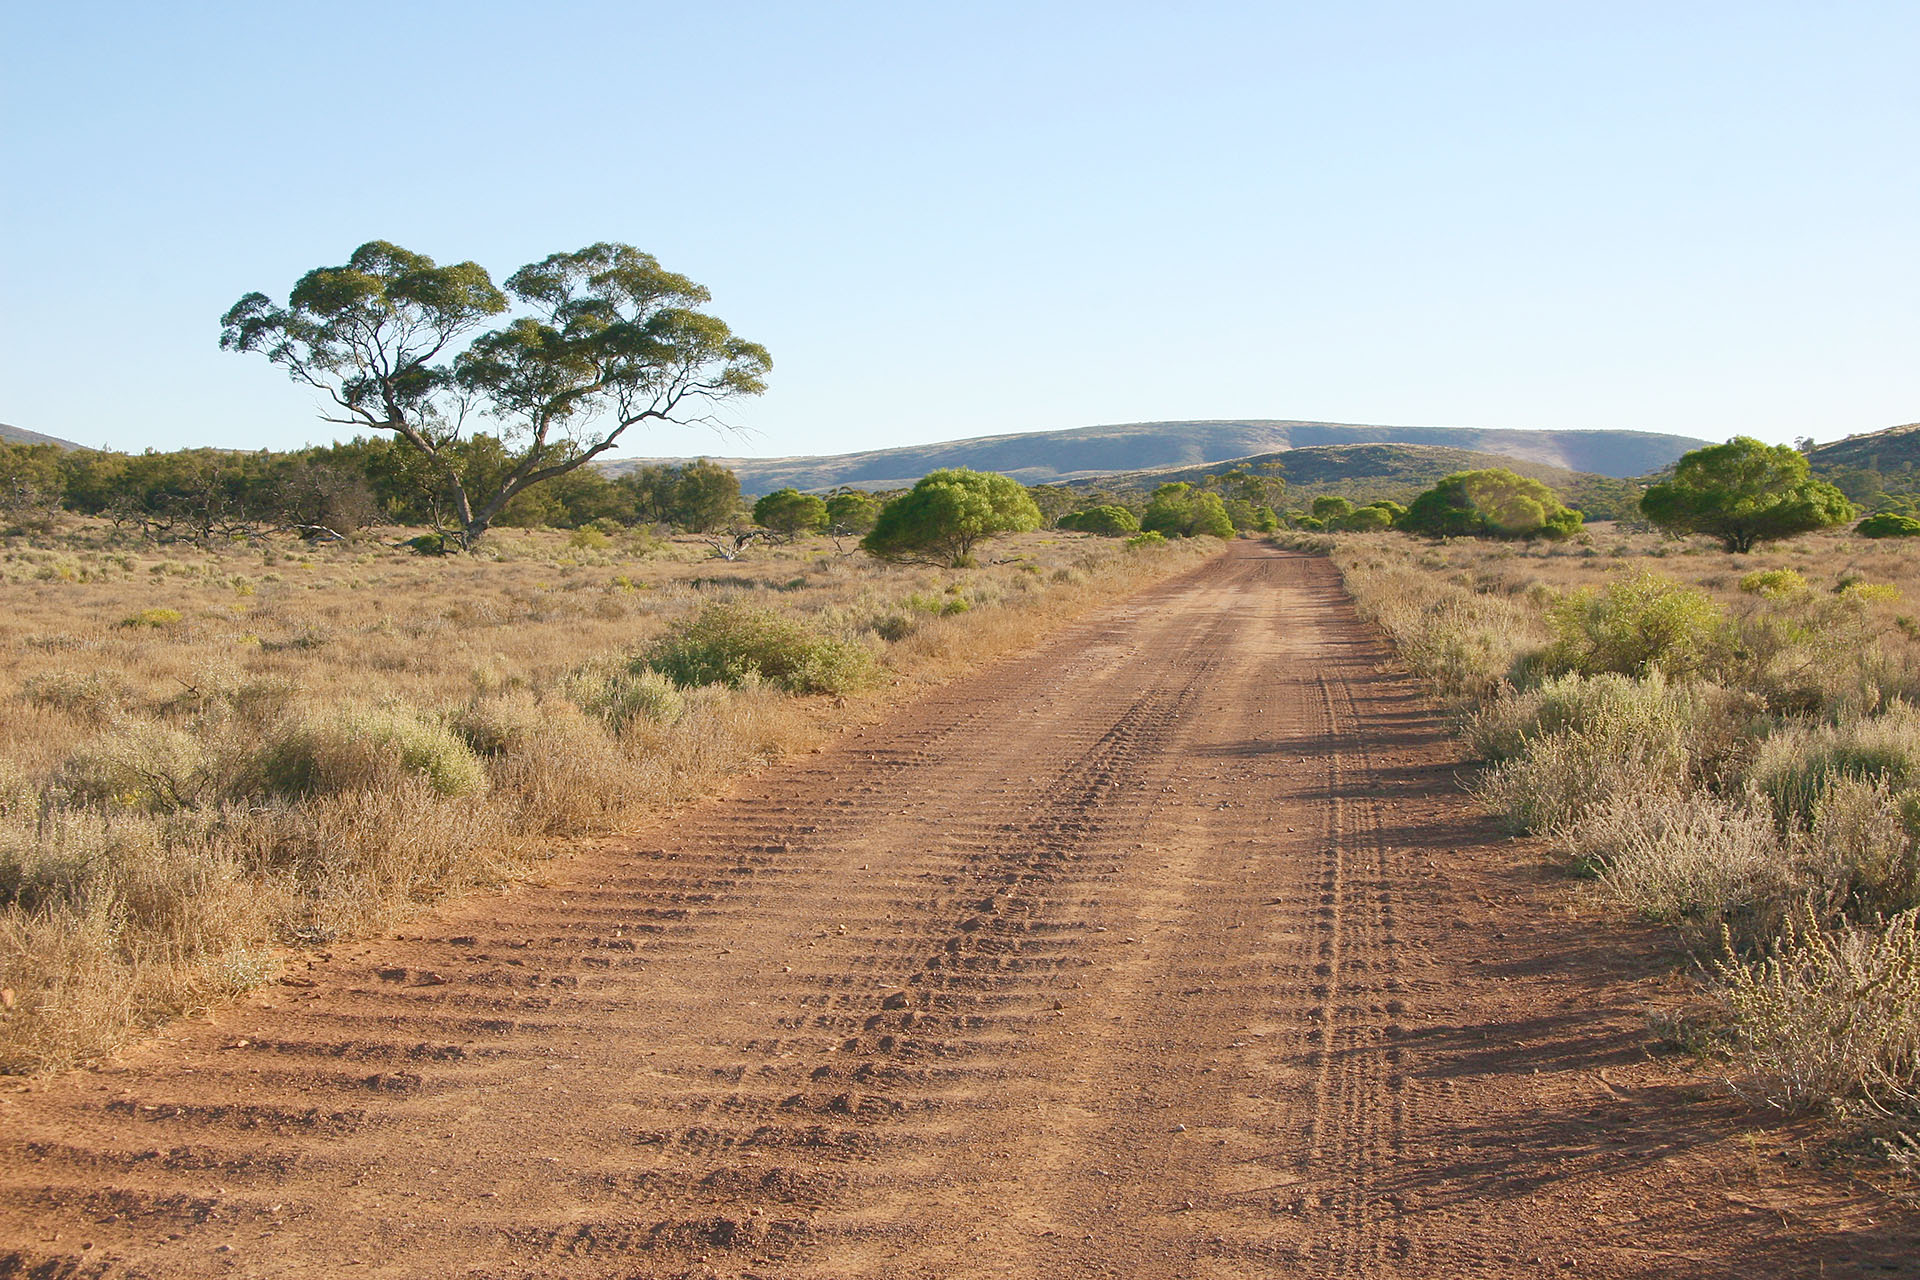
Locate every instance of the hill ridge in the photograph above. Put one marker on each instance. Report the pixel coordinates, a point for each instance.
(1080, 453)
(10, 434)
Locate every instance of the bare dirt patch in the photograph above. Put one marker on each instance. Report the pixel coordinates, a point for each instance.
(1167, 949)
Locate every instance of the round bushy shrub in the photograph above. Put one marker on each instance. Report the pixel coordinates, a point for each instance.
(733, 643)
(1110, 521)
(620, 693)
(1639, 624)
(1774, 584)
(1888, 525)
(359, 748)
(1494, 503)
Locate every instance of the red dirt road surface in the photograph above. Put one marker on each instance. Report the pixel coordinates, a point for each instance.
(1170, 949)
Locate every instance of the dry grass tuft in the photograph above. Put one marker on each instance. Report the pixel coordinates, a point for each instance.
(1728, 743)
(209, 757)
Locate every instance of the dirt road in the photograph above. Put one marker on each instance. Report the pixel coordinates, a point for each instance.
(1169, 950)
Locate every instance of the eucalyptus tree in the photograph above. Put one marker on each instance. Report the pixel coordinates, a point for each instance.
(941, 519)
(607, 338)
(1745, 492)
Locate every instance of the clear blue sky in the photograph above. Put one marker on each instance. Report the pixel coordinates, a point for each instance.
(953, 220)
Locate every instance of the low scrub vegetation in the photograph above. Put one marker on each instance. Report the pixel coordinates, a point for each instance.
(1728, 744)
(285, 744)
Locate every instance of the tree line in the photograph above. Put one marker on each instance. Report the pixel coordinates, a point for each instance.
(335, 491)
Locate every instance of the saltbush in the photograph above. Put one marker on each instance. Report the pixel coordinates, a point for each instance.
(623, 692)
(358, 749)
(498, 725)
(1832, 1012)
(141, 765)
(1636, 625)
(1797, 765)
(1714, 867)
(157, 619)
(733, 644)
(1774, 584)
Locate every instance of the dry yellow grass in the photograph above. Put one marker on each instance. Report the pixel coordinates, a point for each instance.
(207, 756)
(1728, 743)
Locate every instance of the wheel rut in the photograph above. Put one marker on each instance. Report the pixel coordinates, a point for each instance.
(1168, 949)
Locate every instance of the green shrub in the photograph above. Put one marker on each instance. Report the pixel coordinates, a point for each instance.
(623, 692)
(1888, 525)
(1148, 539)
(1372, 518)
(789, 512)
(360, 748)
(733, 643)
(1638, 624)
(852, 512)
(1774, 584)
(157, 619)
(1744, 492)
(1178, 510)
(946, 514)
(1492, 503)
(1330, 509)
(1110, 521)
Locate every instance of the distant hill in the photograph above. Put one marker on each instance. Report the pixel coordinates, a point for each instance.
(1892, 451)
(1367, 472)
(1346, 464)
(1053, 457)
(20, 435)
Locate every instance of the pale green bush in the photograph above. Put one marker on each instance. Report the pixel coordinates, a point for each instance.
(1831, 1013)
(1718, 728)
(621, 692)
(733, 643)
(363, 748)
(1560, 777)
(1797, 764)
(1708, 865)
(114, 920)
(157, 619)
(1465, 642)
(1861, 858)
(1774, 584)
(1637, 625)
(1815, 654)
(499, 724)
(143, 765)
(89, 693)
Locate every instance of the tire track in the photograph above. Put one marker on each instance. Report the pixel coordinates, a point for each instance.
(1125, 957)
